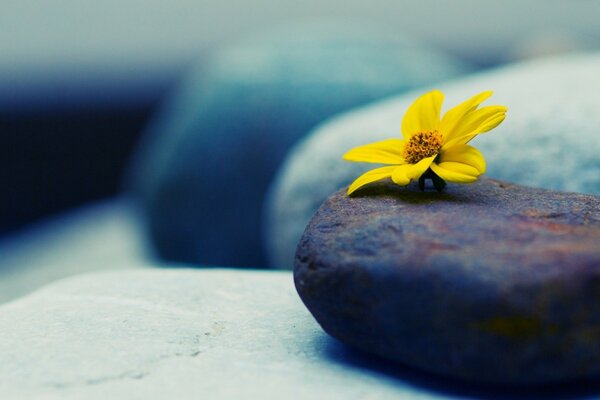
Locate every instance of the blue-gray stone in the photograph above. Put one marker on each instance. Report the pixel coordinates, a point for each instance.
(207, 160)
(549, 139)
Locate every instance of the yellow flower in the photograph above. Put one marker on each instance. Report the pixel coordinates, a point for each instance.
(431, 148)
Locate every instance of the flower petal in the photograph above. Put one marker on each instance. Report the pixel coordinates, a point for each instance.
(463, 153)
(369, 177)
(419, 168)
(399, 176)
(403, 174)
(455, 172)
(493, 121)
(479, 121)
(453, 117)
(384, 152)
(423, 115)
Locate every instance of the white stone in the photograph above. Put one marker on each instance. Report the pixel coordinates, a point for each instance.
(550, 139)
(180, 334)
(104, 235)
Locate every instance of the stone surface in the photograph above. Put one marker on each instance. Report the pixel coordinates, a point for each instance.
(101, 236)
(186, 334)
(489, 282)
(549, 139)
(203, 170)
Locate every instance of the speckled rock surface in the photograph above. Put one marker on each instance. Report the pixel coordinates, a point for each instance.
(549, 140)
(489, 282)
(202, 172)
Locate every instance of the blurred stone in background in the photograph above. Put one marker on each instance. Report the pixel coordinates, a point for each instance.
(56, 159)
(103, 236)
(546, 43)
(206, 162)
(79, 79)
(548, 140)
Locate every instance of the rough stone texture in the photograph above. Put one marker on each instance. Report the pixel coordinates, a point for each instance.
(203, 170)
(488, 282)
(184, 334)
(549, 139)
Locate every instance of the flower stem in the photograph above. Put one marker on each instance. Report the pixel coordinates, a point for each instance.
(438, 183)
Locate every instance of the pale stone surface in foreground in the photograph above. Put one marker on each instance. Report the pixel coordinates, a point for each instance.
(158, 334)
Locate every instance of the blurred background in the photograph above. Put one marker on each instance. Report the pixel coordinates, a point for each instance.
(82, 84)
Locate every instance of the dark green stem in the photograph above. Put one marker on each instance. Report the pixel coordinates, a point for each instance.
(438, 183)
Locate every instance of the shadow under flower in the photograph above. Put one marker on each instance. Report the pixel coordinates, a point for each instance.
(412, 194)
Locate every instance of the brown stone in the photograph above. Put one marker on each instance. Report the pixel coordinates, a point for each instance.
(490, 282)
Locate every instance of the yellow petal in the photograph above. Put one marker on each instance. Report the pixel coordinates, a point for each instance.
(403, 174)
(493, 121)
(384, 152)
(369, 177)
(490, 118)
(455, 172)
(463, 153)
(419, 168)
(423, 115)
(479, 119)
(399, 175)
(454, 116)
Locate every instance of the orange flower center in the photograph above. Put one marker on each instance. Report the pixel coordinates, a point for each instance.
(422, 145)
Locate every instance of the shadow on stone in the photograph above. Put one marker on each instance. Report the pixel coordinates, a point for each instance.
(423, 382)
(412, 194)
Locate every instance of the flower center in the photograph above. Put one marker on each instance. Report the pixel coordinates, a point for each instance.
(422, 145)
